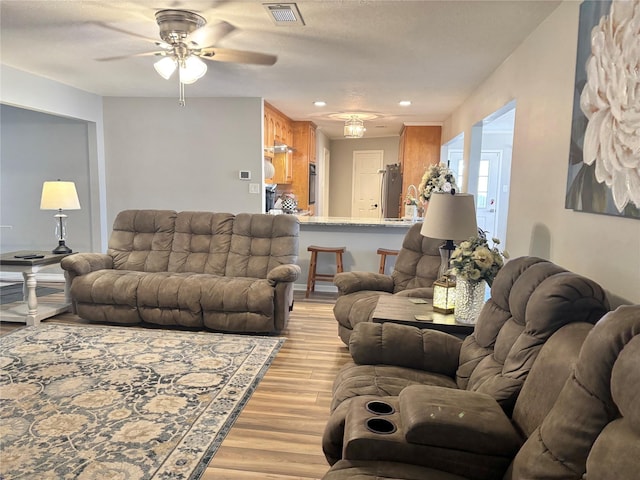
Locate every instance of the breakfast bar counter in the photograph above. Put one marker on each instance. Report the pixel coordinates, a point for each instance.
(360, 236)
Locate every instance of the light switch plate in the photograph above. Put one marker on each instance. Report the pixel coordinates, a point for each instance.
(254, 188)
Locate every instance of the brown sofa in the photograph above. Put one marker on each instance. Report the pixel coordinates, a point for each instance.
(530, 299)
(578, 415)
(231, 273)
(415, 270)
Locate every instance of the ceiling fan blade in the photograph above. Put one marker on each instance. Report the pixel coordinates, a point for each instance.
(211, 34)
(133, 34)
(237, 56)
(122, 57)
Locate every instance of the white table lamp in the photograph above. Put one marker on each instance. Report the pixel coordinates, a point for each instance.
(57, 195)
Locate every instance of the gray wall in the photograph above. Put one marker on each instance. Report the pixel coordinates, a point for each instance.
(540, 76)
(341, 175)
(36, 147)
(163, 156)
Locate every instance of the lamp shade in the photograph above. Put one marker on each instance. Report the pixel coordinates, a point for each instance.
(166, 66)
(192, 69)
(450, 217)
(57, 195)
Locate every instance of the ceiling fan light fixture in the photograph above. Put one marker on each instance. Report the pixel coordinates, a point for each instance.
(354, 128)
(191, 69)
(165, 67)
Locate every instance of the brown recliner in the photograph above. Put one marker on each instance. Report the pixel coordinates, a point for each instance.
(530, 299)
(415, 270)
(587, 429)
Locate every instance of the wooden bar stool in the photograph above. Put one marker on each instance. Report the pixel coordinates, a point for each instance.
(383, 252)
(326, 277)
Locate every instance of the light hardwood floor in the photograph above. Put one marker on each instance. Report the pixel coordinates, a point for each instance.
(278, 434)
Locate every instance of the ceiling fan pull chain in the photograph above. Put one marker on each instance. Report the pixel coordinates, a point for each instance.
(181, 100)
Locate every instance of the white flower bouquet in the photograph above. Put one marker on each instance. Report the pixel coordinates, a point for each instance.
(437, 178)
(474, 260)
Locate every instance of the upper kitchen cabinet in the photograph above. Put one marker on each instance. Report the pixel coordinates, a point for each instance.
(419, 148)
(278, 135)
(304, 141)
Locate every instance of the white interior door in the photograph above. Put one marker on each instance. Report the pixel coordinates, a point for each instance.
(367, 183)
(487, 196)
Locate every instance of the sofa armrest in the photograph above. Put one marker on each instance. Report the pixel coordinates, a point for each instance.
(457, 419)
(83, 263)
(283, 273)
(405, 346)
(349, 282)
(422, 292)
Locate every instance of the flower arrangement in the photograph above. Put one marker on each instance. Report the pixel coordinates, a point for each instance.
(474, 260)
(437, 178)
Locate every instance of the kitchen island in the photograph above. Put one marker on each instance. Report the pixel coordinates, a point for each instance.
(361, 237)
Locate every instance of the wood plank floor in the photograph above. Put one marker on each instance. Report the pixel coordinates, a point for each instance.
(278, 434)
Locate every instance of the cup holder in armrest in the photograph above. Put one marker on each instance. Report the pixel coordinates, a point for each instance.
(381, 408)
(380, 425)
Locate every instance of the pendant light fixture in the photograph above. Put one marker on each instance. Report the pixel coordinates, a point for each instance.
(354, 127)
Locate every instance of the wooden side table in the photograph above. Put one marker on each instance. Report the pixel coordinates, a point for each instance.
(31, 312)
(392, 308)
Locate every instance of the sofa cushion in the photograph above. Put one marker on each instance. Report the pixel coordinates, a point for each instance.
(201, 242)
(141, 240)
(418, 261)
(559, 447)
(542, 297)
(108, 295)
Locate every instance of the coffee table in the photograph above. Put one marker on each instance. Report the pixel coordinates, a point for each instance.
(31, 312)
(392, 308)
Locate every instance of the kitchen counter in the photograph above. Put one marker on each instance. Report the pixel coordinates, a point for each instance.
(361, 237)
(355, 222)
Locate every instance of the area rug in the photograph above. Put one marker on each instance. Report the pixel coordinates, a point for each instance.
(13, 293)
(96, 402)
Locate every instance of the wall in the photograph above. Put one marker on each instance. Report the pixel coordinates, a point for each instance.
(30, 92)
(341, 174)
(539, 75)
(163, 156)
(36, 147)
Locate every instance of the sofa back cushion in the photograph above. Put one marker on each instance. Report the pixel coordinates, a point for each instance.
(594, 426)
(260, 243)
(530, 300)
(418, 261)
(141, 240)
(201, 242)
(243, 245)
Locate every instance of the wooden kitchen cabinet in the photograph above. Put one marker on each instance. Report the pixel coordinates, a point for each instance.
(419, 147)
(304, 141)
(278, 130)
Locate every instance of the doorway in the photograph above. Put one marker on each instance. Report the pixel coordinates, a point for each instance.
(490, 170)
(367, 183)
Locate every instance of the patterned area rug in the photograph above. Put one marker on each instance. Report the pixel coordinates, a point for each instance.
(100, 403)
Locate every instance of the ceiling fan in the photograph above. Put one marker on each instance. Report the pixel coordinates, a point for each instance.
(185, 41)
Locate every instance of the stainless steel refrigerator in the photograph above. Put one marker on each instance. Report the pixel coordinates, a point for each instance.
(391, 191)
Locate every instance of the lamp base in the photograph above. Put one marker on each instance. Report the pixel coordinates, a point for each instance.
(61, 248)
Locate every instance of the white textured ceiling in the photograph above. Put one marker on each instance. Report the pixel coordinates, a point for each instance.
(357, 55)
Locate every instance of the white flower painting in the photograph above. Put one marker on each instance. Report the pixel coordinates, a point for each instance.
(604, 167)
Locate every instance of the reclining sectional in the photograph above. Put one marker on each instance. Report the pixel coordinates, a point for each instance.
(576, 418)
(531, 299)
(229, 273)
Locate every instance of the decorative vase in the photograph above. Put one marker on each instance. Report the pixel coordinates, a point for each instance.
(469, 300)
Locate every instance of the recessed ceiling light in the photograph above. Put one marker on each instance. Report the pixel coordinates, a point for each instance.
(404, 103)
(320, 103)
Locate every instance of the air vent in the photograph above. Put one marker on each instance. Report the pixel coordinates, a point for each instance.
(284, 13)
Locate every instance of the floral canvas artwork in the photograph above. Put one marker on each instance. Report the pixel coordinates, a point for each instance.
(604, 158)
